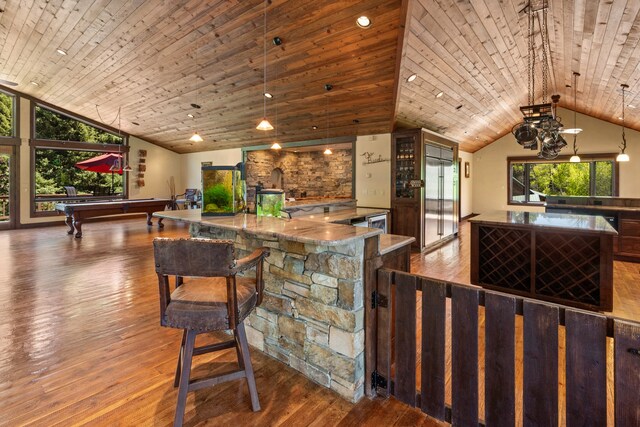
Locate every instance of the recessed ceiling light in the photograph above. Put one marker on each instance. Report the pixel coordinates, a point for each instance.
(135, 123)
(412, 77)
(631, 106)
(190, 115)
(268, 95)
(196, 106)
(61, 52)
(439, 94)
(35, 83)
(8, 83)
(314, 127)
(620, 118)
(459, 107)
(363, 22)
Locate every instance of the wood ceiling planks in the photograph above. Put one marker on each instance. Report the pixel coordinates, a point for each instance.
(476, 53)
(141, 56)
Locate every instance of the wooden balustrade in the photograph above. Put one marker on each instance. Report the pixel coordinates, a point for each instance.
(527, 356)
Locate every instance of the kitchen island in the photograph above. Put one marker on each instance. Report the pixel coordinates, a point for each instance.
(567, 259)
(317, 279)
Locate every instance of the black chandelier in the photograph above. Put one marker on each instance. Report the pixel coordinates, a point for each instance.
(541, 127)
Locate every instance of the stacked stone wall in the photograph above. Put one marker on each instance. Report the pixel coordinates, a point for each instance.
(316, 174)
(312, 315)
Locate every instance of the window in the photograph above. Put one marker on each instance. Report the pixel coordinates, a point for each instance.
(531, 180)
(61, 142)
(7, 127)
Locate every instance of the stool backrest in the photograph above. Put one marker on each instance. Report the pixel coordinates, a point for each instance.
(194, 257)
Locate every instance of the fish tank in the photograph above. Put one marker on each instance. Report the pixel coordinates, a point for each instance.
(223, 190)
(269, 203)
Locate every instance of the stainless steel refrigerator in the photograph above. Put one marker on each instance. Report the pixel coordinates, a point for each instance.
(440, 222)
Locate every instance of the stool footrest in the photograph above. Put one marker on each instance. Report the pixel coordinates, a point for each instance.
(214, 347)
(208, 382)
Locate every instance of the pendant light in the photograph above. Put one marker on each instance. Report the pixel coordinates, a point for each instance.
(623, 157)
(117, 166)
(327, 87)
(575, 158)
(264, 124)
(275, 145)
(196, 136)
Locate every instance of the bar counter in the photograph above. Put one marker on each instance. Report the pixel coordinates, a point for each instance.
(317, 279)
(563, 258)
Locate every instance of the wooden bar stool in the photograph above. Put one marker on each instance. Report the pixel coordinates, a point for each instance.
(211, 299)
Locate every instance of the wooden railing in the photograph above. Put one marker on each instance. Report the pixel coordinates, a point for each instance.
(520, 346)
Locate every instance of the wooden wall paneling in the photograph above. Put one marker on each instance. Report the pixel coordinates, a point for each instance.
(464, 355)
(540, 401)
(405, 338)
(586, 369)
(627, 373)
(433, 345)
(500, 348)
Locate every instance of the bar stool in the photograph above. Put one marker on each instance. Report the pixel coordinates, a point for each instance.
(212, 299)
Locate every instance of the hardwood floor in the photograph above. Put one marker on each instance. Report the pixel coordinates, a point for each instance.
(451, 262)
(81, 344)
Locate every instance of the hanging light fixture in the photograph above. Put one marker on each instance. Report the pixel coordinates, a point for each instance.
(575, 158)
(327, 87)
(623, 157)
(275, 145)
(540, 129)
(196, 136)
(264, 123)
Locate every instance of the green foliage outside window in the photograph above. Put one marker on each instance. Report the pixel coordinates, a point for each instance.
(6, 115)
(55, 126)
(55, 168)
(532, 182)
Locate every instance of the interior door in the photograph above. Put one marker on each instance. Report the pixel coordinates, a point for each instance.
(432, 200)
(7, 185)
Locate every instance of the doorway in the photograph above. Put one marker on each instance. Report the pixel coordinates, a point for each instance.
(7, 187)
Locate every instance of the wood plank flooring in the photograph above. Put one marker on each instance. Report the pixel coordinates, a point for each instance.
(81, 344)
(80, 341)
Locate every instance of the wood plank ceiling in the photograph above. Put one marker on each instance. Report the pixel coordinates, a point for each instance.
(154, 58)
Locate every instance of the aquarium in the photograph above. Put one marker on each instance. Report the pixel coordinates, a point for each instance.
(223, 190)
(269, 203)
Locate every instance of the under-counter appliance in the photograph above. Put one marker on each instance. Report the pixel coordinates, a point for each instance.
(373, 221)
(439, 203)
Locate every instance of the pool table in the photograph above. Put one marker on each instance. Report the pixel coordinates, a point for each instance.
(77, 212)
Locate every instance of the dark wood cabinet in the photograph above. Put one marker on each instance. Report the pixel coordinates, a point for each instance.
(408, 176)
(407, 185)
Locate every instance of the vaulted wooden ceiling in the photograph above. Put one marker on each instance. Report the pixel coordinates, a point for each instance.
(152, 59)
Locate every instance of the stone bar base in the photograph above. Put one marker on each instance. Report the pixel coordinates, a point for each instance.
(312, 316)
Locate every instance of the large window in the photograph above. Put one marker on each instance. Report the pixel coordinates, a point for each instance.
(8, 144)
(61, 143)
(531, 180)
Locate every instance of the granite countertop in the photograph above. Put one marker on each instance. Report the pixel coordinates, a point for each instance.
(391, 242)
(343, 214)
(557, 221)
(299, 230)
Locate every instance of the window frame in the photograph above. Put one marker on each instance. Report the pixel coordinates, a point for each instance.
(48, 144)
(591, 158)
(14, 142)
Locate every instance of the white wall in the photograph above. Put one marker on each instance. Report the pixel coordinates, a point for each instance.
(192, 162)
(373, 182)
(161, 164)
(490, 163)
(466, 184)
